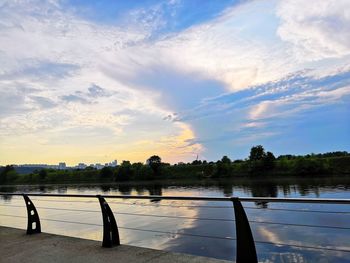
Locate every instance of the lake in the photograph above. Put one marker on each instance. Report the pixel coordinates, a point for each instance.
(201, 228)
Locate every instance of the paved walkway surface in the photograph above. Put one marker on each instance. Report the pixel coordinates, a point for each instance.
(16, 246)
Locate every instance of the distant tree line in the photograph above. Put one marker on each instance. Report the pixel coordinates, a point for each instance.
(259, 163)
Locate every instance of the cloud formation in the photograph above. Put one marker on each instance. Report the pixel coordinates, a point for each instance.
(244, 73)
(317, 30)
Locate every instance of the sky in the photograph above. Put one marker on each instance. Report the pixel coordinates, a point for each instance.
(93, 81)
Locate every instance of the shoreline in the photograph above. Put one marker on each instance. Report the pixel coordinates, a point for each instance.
(190, 181)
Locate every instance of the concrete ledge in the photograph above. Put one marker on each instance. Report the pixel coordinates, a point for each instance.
(16, 246)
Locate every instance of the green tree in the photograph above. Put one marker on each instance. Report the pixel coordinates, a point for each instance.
(225, 160)
(42, 174)
(124, 171)
(223, 167)
(269, 161)
(155, 162)
(154, 159)
(257, 153)
(7, 174)
(106, 173)
(260, 161)
(197, 162)
(208, 170)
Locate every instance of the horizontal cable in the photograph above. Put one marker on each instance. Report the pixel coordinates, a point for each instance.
(128, 203)
(177, 233)
(299, 210)
(64, 201)
(195, 235)
(299, 225)
(196, 218)
(58, 209)
(194, 198)
(233, 220)
(204, 206)
(230, 207)
(156, 197)
(156, 205)
(129, 228)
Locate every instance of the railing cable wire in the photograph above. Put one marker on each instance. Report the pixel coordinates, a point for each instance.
(201, 206)
(193, 218)
(195, 235)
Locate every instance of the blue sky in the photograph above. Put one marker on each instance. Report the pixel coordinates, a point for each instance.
(180, 14)
(93, 81)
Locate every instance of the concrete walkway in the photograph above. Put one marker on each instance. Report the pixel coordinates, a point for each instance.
(16, 246)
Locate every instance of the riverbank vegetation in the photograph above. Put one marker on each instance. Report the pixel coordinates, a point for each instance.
(259, 164)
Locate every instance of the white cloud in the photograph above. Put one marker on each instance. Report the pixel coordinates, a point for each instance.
(238, 50)
(333, 95)
(228, 49)
(315, 29)
(84, 74)
(260, 110)
(295, 103)
(62, 58)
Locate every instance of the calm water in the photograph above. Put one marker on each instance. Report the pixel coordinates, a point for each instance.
(180, 222)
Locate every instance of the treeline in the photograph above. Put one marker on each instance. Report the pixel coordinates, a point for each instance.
(259, 163)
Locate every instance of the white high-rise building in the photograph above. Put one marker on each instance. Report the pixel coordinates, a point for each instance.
(113, 163)
(62, 166)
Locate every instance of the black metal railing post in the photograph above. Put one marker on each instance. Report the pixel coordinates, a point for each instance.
(245, 247)
(33, 225)
(110, 228)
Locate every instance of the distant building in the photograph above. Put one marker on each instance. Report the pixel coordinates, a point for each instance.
(99, 166)
(81, 166)
(113, 163)
(62, 166)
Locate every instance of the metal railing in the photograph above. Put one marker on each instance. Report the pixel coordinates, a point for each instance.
(245, 244)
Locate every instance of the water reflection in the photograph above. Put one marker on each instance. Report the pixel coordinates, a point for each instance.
(247, 187)
(180, 221)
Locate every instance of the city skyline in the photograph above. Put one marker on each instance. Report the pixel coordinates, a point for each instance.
(62, 165)
(87, 81)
